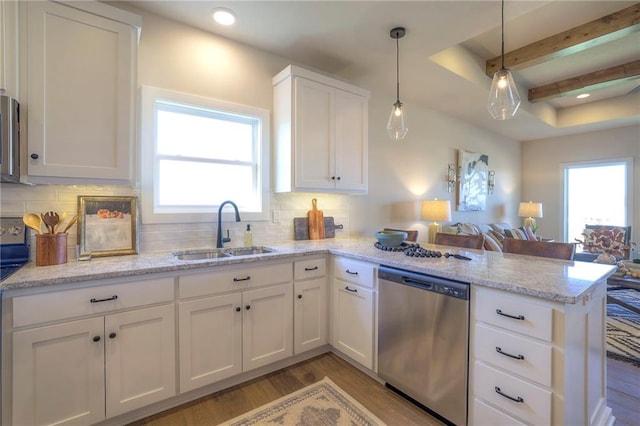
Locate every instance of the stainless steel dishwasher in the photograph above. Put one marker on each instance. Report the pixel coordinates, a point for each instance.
(423, 340)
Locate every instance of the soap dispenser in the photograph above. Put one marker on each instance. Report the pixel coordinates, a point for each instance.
(248, 237)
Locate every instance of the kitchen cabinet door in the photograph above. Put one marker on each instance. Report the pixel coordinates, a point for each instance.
(314, 154)
(140, 358)
(351, 144)
(310, 314)
(353, 321)
(58, 374)
(8, 47)
(80, 85)
(267, 325)
(210, 340)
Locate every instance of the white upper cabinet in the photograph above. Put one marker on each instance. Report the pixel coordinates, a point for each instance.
(321, 138)
(9, 48)
(80, 85)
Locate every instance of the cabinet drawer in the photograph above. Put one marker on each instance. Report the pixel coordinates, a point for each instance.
(354, 271)
(516, 313)
(311, 268)
(226, 280)
(499, 348)
(484, 414)
(534, 405)
(59, 305)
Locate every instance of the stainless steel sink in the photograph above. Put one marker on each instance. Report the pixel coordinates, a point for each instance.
(221, 252)
(248, 251)
(201, 254)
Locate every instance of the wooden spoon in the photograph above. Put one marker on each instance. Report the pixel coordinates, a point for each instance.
(33, 221)
(51, 219)
(70, 224)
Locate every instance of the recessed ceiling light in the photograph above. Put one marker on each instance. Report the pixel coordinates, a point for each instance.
(583, 95)
(223, 16)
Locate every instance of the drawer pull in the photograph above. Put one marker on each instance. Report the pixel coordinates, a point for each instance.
(114, 297)
(352, 290)
(516, 399)
(247, 278)
(96, 338)
(517, 317)
(351, 273)
(315, 268)
(499, 350)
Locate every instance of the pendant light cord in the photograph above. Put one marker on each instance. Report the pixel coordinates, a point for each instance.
(502, 35)
(398, 69)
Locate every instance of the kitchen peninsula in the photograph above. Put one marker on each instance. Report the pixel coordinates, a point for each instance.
(564, 305)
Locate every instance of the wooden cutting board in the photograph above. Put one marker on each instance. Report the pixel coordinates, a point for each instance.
(316, 221)
(301, 228)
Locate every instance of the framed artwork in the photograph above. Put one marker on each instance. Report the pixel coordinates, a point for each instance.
(472, 188)
(107, 225)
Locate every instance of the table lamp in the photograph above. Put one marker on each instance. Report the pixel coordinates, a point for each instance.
(436, 211)
(529, 211)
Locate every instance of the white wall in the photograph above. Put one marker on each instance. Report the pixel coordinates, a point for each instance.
(542, 170)
(177, 57)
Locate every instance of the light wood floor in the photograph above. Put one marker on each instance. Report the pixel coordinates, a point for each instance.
(227, 404)
(623, 381)
(623, 392)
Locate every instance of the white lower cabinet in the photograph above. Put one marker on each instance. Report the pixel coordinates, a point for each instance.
(531, 363)
(222, 335)
(310, 305)
(84, 371)
(210, 334)
(353, 310)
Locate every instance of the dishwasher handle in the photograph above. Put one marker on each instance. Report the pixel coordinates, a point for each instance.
(422, 284)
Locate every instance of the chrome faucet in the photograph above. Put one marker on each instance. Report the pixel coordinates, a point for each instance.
(220, 241)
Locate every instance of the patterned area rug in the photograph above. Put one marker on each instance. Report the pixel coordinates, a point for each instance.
(319, 404)
(623, 328)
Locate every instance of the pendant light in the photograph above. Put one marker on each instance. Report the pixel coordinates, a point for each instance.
(504, 99)
(396, 127)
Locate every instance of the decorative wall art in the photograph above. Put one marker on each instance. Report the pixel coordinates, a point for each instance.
(472, 185)
(107, 225)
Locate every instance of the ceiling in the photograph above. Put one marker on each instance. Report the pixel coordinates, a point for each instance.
(442, 56)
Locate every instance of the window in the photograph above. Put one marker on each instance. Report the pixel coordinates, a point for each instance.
(198, 152)
(596, 193)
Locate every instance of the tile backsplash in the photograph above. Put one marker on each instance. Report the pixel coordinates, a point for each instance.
(15, 200)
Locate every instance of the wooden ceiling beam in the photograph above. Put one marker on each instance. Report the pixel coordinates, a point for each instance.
(591, 81)
(585, 36)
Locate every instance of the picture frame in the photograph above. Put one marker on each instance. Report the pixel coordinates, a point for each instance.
(107, 225)
(474, 175)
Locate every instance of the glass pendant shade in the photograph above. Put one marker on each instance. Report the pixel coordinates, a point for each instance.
(504, 99)
(396, 127)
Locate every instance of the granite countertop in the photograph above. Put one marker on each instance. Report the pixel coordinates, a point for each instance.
(549, 279)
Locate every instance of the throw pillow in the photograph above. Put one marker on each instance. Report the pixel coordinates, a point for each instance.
(519, 234)
(605, 240)
(530, 235)
(490, 243)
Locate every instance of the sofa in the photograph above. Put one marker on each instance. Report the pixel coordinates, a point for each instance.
(597, 239)
(493, 233)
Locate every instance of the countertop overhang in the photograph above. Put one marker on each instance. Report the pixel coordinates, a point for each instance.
(550, 279)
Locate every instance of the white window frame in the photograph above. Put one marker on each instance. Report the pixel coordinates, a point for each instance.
(148, 171)
(564, 167)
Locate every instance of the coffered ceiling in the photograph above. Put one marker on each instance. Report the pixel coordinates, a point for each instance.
(553, 47)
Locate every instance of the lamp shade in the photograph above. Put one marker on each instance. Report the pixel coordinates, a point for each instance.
(530, 209)
(436, 210)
